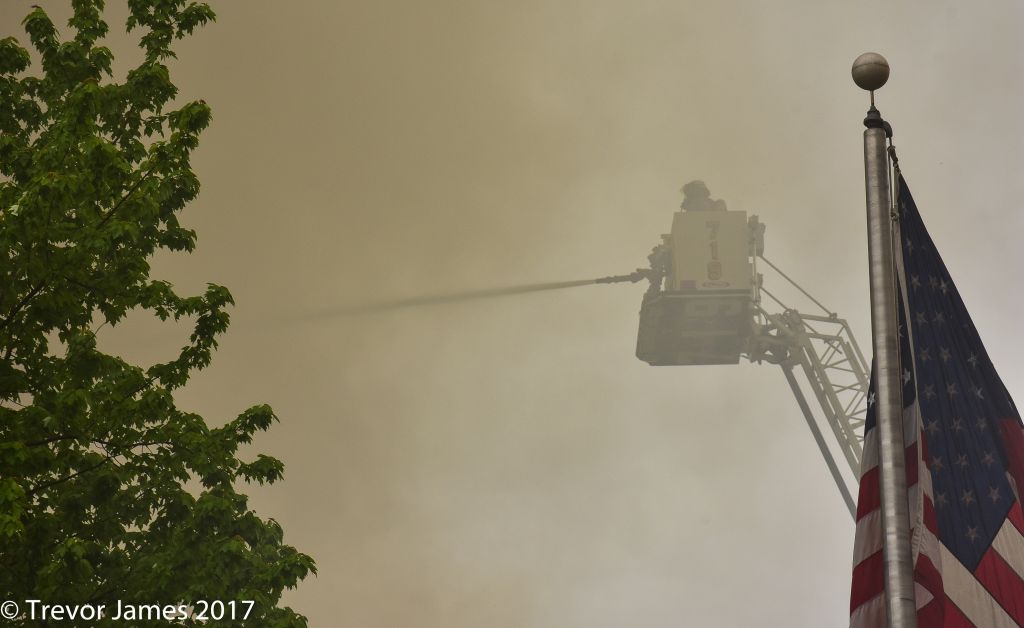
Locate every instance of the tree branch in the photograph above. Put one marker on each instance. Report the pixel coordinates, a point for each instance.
(131, 190)
(20, 304)
(45, 485)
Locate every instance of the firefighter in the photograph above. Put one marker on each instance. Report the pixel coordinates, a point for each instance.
(697, 198)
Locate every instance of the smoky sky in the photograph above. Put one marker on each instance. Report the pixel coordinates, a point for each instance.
(509, 462)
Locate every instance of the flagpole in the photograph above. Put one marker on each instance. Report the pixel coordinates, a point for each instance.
(870, 72)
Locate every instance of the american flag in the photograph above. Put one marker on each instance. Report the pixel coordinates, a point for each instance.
(964, 455)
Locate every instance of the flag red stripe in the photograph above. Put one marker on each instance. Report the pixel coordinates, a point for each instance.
(868, 580)
(869, 498)
(910, 460)
(952, 617)
(1013, 445)
(926, 575)
(1003, 583)
(931, 614)
(1016, 517)
(931, 520)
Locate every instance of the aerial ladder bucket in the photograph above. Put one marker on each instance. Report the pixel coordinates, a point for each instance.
(704, 313)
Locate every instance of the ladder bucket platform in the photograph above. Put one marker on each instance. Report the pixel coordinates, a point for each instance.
(678, 329)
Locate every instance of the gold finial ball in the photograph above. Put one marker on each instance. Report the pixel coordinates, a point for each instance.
(870, 71)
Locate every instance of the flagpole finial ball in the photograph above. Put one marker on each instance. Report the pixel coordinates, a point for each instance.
(870, 71)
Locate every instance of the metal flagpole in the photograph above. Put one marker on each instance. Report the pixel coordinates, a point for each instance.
(870, 72)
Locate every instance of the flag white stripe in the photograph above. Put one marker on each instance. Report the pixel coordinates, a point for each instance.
(870, 614)
(931, 547)
(911, 426)
(922, 596)
(865, 543)
(1010, 545)
(869, 458)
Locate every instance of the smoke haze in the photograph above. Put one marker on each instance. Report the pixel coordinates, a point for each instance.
(509, 463)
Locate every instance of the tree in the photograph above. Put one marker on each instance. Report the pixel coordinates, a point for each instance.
(108, 491)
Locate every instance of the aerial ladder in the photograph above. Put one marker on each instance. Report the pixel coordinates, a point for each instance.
(707, 304)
